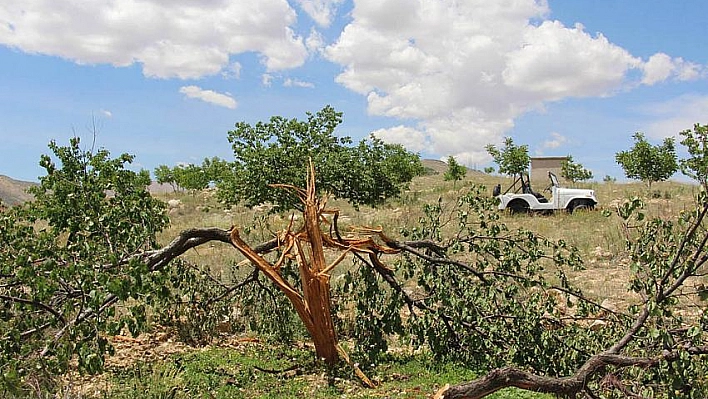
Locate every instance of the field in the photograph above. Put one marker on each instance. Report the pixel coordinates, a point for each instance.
(158, 365)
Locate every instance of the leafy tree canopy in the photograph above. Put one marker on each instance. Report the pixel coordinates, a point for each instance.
(454, 171)
(696, 143)
(574, 172)
(193, 177)
(165, 175)
(512, 159)
(67, 255)
(277, 152)
(649, 163)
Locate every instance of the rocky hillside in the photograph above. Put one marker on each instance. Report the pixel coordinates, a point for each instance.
(13, 191)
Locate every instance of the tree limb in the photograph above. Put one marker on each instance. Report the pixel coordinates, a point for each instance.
(410, 247)
(156, 260)
(36, 304)
(567, 386)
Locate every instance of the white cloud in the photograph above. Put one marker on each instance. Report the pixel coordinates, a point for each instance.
(408, 137)
(658, 68)
(179, 38)
(233, 71)
(463, 71)
(321, 11)
(297, 83)
(661, 67)
(106, 113)
(266, 79)
(314, 41)
(550, 64)
(668, 118)
(210, 96)
(688, 70)
(556, 140)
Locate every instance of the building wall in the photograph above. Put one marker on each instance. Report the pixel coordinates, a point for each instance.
(540, 166)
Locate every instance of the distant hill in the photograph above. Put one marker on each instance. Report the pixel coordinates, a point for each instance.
(13, 192)
(157, 188)
(434, 165)
(440, 167)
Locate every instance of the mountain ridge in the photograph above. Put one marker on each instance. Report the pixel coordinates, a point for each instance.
(13, 192)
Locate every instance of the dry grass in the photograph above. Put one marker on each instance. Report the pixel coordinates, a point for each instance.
(599, 238)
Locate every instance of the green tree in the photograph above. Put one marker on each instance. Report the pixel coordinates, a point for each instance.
(454, 171)
(278, 152)
(512, 160)
(696, 143)
(489, 170)
(191, 177)
(574, 172)
(649, 163)
(165, 175)
(215, 169)
(68, 256)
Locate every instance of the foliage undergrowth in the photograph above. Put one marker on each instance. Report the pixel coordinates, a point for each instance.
(194, 298)
(257, 370)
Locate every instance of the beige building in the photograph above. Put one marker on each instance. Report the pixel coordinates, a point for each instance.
(540, 166)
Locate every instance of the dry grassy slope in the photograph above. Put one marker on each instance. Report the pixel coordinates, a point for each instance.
(437, 166)
(13, 191)
(440, 166)
(599, 239)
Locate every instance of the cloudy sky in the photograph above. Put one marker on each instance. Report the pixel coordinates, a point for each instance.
(166, 80)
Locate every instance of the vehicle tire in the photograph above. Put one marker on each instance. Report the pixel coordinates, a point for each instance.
(580, 206)
(518, 206)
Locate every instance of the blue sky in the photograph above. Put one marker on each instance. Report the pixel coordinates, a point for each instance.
(166, 80)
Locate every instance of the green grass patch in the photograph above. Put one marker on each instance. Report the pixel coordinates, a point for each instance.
(238, 372)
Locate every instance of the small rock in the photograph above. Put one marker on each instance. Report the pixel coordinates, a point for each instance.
(598, 324)
(609, 305)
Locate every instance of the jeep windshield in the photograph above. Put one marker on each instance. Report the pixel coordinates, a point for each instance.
(554, 179)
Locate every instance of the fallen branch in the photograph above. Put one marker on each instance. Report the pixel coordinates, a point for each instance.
(156, 260)
(564, 386)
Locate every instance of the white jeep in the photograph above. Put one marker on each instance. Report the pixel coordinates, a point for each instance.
(570, 199)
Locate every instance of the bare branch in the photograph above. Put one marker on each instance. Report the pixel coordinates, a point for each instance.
(411, 248)
(251, 278)
(566, 386)
(156, 260)
(36, 304)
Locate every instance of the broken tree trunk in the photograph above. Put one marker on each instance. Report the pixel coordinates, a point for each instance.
(307, 248)
(315, 279)
(312, 306)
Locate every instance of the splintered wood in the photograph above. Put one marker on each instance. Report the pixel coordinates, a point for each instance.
(307, 247)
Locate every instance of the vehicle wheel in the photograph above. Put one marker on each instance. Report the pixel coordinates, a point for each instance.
(580, 206)
(518, 206)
